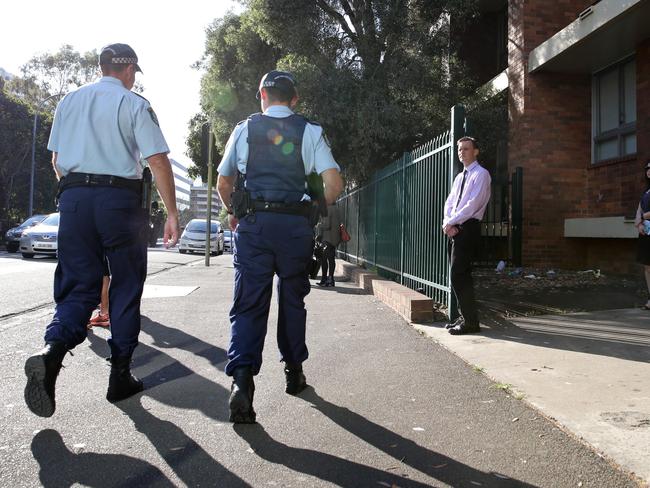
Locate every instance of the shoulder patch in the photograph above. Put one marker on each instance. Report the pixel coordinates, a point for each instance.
(152, 114)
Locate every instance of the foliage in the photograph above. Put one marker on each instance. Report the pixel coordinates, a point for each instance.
(16, 126)
(52, 73)
(379, 76)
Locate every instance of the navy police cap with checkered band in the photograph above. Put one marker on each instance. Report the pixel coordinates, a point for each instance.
(119, 54)
(280, 80)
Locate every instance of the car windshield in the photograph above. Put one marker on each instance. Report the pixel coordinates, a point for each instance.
(199, 226)
(227, 233)
(33, 220)
(52, 220)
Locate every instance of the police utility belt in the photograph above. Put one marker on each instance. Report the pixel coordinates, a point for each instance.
(243, 205)
(141, 187)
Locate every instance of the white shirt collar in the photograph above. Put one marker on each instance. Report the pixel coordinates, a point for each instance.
(110, 79)
(471, 166)
(278, 111)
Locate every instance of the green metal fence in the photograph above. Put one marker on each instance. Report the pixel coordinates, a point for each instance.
(395, 221)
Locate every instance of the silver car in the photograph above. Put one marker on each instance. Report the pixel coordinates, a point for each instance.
(41, 239)
(193, 238)
(228, 240)
(13, 235)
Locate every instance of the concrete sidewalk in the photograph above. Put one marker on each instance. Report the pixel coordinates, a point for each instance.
(588, 371)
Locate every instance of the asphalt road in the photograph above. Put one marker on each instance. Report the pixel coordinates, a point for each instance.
(26, 284)
(387, 407)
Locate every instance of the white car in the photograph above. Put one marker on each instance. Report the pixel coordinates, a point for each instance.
(193, 238)
(41, 239)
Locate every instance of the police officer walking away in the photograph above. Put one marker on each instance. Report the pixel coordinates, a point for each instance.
(99, 134)
(274, 152)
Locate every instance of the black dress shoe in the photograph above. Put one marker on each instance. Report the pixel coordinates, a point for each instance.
(456, 322)
(42, 370)
(322, 282)
(465, 328)
(295, 378)
(121, 383)
(241, 396)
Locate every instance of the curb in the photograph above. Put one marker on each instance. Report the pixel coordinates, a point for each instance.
(411, 305)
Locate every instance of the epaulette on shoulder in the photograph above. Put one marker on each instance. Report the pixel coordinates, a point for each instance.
(137, 94)
(308, 121)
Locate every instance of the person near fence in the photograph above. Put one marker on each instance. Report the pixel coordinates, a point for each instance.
(463, 211)
(99, 135)
(642, 222)
(329, 232)
(274, 152)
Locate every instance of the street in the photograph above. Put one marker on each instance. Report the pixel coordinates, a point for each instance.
(386, 407)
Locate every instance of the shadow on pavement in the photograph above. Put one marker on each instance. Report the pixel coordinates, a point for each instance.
(60, 467)
(323, 466)
(433, 464)
(191, 463)
(623, 334)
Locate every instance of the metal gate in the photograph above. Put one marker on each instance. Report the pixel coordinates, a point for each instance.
(395, 221)
(501, 224)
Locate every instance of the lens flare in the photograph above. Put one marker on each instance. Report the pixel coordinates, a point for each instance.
(275, 137)
(287, 148)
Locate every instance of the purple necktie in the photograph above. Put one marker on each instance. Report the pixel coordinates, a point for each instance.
(462, 186)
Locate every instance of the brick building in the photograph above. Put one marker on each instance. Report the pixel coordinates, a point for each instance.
(577, 75)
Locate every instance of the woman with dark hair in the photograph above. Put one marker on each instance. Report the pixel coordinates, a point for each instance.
(642, 222)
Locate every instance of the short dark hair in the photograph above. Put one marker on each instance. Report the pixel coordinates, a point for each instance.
(113, 68)
(277, 95)
(470, 139)
(645, 173)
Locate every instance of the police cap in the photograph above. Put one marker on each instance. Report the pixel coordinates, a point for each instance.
(280, 80)
(118, 54)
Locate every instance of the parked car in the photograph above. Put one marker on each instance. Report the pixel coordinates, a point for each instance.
(228, 240)
(41, 239)
(13, 235)
(193, 238)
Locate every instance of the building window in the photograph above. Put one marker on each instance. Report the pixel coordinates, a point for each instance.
(614, 111)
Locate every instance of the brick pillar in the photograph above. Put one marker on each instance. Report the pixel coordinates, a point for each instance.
(549, 134)
(643, 101)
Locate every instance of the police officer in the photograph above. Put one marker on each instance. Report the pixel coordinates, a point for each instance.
(99, 134)
(275, 151)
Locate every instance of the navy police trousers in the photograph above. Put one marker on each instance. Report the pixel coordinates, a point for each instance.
(98, 223)
(268, 244)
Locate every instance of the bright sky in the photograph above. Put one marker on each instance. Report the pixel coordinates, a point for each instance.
(168, 36)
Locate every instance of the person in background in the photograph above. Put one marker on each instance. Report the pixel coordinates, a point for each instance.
(464, 209)
(642, 222)
(329, 232)
(102, 318)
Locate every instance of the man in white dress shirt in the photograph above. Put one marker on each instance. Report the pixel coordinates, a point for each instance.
(464, 209)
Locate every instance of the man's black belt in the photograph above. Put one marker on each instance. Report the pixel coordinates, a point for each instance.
(294, 208)
(87, 179)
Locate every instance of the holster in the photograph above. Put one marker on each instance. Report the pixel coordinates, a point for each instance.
(240, 200)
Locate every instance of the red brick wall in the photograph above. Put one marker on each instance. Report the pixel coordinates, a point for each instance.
(550, 137)
(643, 102)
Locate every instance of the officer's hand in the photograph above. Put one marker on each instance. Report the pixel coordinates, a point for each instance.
(232, 220)
(172, 231)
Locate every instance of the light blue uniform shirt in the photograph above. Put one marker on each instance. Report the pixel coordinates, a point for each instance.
(103, 128)
(316, 153)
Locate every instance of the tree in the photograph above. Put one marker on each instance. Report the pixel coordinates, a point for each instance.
(51, 73)
(16, 125)
(380, 76)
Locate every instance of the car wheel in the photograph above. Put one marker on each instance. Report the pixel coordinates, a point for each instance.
(27, 255)
(12, 247)
(214, 253)
(182, 251)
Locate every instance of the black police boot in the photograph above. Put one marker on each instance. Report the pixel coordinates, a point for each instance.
(121, 383)
(241, 396)
(323, 281)
(296, 381)
(42, 370)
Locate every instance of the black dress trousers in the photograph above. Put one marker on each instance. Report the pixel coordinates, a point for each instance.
(462, 250)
